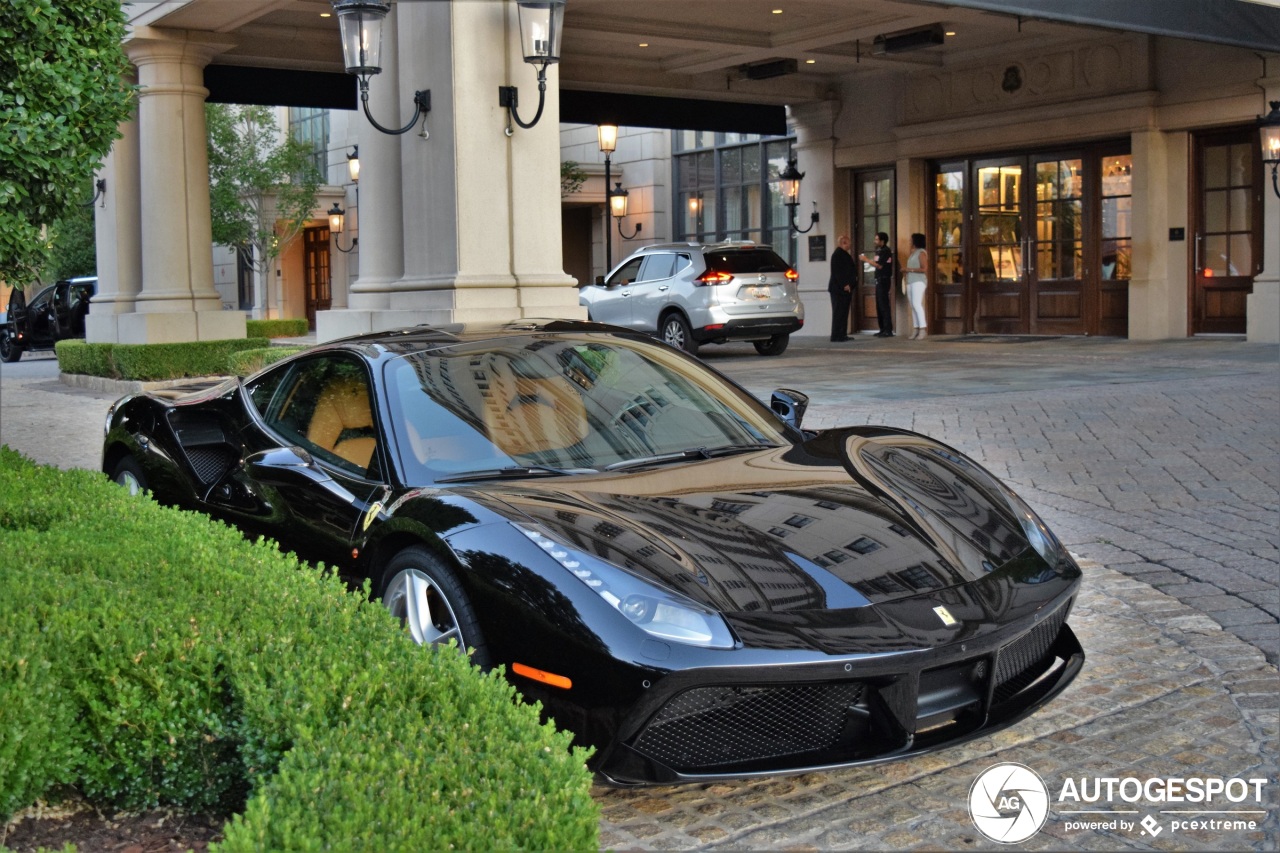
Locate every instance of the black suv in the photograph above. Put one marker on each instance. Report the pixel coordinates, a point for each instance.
(55, 313)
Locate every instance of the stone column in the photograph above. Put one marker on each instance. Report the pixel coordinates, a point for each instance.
(815, 157)
(479, 227)
(1158, 287)
(117, 226)
(177, 300)
(1262, 309)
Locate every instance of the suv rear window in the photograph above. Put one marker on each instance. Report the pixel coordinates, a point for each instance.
(745, 261)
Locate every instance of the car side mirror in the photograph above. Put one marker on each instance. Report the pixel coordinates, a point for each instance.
(599, 279)
(293, 465)
(789, 406)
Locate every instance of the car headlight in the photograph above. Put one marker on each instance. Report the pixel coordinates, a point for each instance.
(1039, 536)
(660, 613)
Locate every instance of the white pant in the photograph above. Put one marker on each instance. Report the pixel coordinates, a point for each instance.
(915, 290)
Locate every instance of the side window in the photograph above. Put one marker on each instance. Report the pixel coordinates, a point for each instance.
(323, 405)
(262, 389)
(627, 272)
(683, 262)
(657, 265)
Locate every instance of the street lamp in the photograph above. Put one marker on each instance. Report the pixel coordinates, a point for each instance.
(541, 24)
(337, 221)
(1269, 129)
(618, 207)
(360, 24)
(607, 137)
(790, 178)
(353, 165)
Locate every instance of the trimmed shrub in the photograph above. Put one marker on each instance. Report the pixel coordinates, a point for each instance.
(294, 328)
(155, 657)
(151, 362)
(250, 361)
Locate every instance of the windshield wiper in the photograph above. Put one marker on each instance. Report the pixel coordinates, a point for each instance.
(690, 453)
(514, 472)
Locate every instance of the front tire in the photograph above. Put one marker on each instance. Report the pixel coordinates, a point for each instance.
(420, 591)
(10, 349)
(128, 474)
(675, 332)
(776, 345)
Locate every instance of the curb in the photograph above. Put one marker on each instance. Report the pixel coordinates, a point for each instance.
(134, 386)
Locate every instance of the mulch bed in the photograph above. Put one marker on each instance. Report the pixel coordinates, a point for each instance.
(148, 832)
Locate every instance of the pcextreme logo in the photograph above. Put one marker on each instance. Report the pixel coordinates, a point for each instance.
(1009, 803)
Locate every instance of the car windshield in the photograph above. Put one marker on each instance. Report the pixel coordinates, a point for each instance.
(563, 404)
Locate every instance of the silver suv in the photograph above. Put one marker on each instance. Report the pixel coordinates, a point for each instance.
(693, 293)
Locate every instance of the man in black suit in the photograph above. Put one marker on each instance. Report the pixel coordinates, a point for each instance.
(844, 277)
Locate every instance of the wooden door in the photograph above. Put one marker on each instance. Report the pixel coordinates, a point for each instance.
(1056, 270)
(873, 213)
(1227, 215)
(315, 243)
(1000, 289)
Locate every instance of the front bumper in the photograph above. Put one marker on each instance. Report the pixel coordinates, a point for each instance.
(706, 725)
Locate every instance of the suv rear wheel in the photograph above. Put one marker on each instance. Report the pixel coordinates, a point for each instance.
(675, 332)
(776, 345)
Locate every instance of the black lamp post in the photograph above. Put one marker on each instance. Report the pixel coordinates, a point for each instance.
(791, 177)
(541, 24)
(607, 136)
(360, 24)
(1269, 129)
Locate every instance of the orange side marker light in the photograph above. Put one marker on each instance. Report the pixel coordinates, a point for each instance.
(549, 678)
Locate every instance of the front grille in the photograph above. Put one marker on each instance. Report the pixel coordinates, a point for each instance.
(716, 726)
(1023, 660)
(210, 463)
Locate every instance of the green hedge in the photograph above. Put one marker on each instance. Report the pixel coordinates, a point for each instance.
(153, 657)
(150, 362)
(252, 360)
(295, 328)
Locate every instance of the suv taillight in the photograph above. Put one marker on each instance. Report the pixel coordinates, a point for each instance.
(792, 275)
(714, 277)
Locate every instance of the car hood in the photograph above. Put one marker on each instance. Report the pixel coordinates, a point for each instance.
(850, 518)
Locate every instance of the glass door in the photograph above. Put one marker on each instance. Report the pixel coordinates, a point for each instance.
(945, 299)
(1055, 275)
(315, 243)
(1227, 239)
(873, 194)
(1000, 287)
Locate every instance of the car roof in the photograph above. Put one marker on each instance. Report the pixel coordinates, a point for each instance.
(703, 247)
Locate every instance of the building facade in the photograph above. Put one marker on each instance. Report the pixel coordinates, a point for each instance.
(1090, 176)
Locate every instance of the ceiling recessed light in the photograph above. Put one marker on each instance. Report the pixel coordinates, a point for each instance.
(644, 44)
(777, 11)
(810, 61)
(951, 32)
(326, 14)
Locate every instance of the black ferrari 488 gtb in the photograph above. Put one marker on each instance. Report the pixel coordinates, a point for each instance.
(685, 577)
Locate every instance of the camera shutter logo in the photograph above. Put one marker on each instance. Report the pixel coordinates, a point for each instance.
(1008, 803)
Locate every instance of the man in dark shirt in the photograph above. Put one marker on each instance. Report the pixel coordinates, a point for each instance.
(883, 262)
(844, 276)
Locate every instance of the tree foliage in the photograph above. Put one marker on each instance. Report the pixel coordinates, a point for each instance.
(72, 247)
(262, 189)
(62, 96)
(572, 177)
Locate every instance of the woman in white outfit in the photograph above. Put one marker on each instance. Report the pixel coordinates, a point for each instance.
(917, 280)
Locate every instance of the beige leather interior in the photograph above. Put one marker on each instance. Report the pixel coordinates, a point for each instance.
(343, 409)
(526, 415)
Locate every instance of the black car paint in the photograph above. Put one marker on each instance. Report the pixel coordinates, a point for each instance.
(536, 613)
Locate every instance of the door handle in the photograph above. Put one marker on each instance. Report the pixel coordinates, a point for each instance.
(664, 288)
